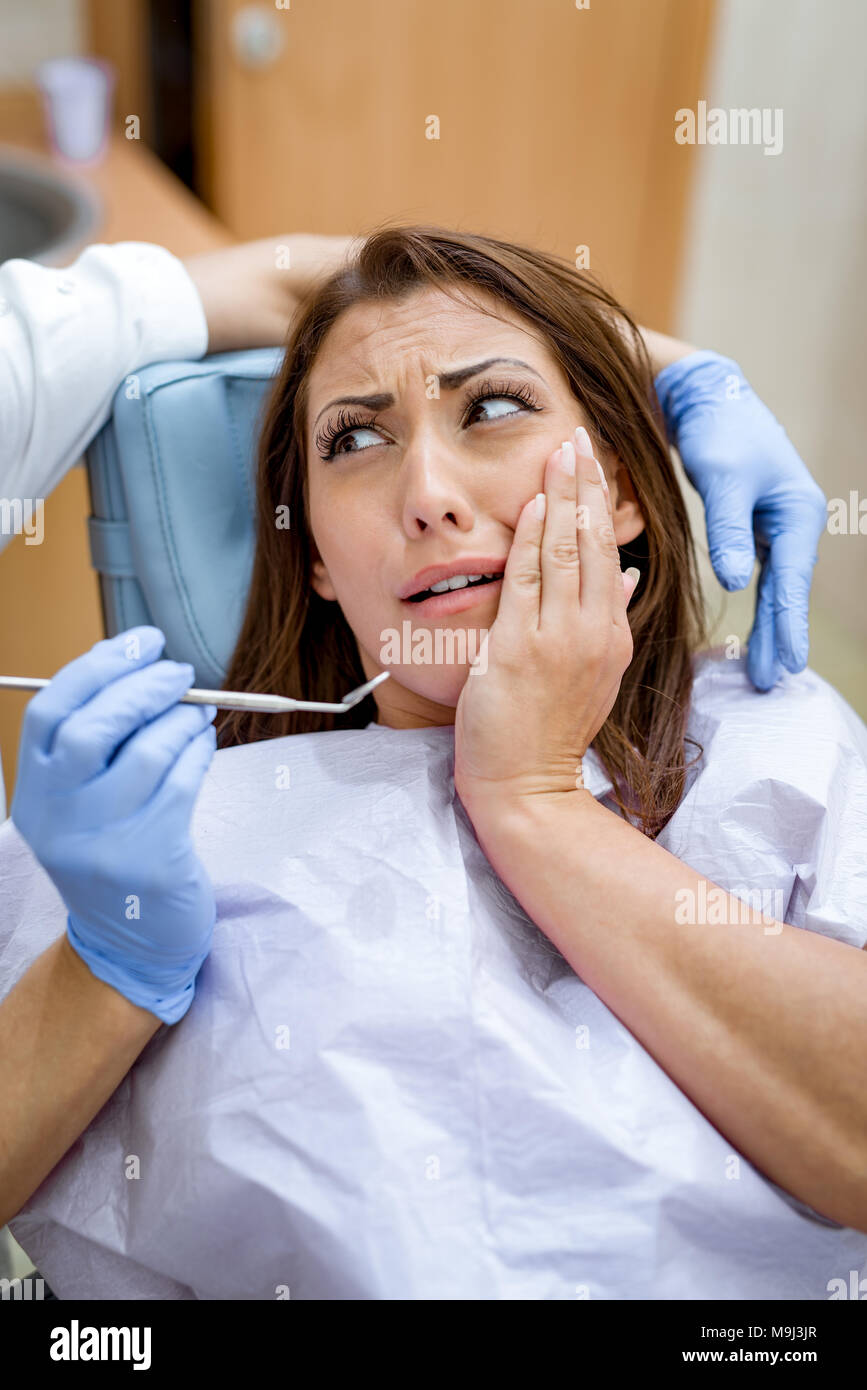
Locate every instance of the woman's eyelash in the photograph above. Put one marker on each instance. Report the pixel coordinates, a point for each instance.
(516, 391)
(349, 420)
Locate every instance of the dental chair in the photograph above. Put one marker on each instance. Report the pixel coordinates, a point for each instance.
(172, 491)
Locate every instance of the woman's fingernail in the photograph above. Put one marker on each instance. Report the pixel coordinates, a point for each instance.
(567, 458)
(582, 442)
(633, 573)
(540, 506)
(602, 478)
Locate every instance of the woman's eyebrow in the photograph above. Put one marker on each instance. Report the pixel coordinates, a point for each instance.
(450, 380)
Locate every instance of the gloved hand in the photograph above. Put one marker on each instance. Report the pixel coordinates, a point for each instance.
(753, 485)
(109, 768)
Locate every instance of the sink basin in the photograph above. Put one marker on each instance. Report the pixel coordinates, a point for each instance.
(45, 214)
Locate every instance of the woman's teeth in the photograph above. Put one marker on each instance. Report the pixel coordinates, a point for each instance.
(457, 581)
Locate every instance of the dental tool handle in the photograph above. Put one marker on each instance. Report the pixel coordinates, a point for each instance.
(237, 699)
(232, 699)
(223, 699)
(23, 682)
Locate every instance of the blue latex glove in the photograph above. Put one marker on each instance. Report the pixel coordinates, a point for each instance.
(109, 768)
(754, 487)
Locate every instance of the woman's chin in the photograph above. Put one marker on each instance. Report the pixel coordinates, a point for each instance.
(440, 685)
(433, 663)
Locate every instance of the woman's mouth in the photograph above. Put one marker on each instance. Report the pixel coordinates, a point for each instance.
(454, 600)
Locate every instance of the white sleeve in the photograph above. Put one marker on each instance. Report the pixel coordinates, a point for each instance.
(69, 337)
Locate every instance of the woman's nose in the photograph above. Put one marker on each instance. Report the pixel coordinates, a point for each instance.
(434, 491)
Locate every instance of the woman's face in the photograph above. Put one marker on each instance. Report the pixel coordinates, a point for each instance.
(426, 475)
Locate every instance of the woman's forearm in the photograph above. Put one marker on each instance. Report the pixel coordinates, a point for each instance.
(761, 1024)
(67, 1040)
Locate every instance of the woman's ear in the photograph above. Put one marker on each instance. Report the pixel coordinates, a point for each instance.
(628, 520)
(321, 581)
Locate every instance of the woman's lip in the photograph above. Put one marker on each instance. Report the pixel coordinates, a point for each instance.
(453, 600)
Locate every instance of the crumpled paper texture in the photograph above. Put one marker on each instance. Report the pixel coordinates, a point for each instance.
(390, 1084)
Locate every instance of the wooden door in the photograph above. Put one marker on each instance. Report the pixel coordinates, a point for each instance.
(555, 123)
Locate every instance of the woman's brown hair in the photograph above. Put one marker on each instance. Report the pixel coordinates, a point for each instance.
(293, 642)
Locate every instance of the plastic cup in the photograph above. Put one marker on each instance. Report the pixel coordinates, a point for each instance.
(77, 96)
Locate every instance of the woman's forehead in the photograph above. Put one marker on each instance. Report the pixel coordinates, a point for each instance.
(439, 330)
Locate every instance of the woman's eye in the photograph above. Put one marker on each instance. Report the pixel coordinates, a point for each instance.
(497, 406)
(490, 401)
(358, 429)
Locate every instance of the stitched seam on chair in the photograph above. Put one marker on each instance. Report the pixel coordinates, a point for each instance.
(124, 589)
(118, 514)
(116, 499)
(97, 456)
(127, 589)
(239, 457)
(168, 539)
(165, 526)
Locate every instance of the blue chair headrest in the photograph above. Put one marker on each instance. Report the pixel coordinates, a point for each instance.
(172, 484)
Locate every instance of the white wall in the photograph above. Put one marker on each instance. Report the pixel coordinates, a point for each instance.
(777, 274)
(33, 30)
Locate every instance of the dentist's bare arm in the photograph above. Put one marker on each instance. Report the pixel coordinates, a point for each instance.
(663, 350)
(250, 292)
(67, 1040)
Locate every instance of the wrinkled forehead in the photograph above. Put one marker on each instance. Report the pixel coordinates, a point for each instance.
(429, 330)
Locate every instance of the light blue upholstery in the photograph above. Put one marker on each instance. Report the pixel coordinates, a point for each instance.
(172, 485)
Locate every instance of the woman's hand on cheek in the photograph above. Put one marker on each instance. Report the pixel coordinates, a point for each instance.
(549, 670)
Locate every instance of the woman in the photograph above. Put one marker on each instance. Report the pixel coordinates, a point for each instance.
(317, 606)
(593, 1084)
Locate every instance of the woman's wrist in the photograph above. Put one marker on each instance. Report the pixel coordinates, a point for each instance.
(100, 999)
(507, 827)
